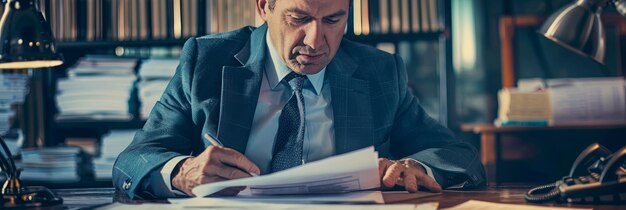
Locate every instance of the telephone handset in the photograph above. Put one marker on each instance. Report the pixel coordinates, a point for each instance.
(589, 159)
(596, 176)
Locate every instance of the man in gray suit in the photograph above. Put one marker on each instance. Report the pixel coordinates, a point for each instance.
(284, 94)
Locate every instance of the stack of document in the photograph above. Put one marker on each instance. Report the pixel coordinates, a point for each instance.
(112, 145)
(354, 171)
(521, 107)
(580, 101)
(50, 164)
(13, 89)
(154, 76)
(97, 88)
(588, 101)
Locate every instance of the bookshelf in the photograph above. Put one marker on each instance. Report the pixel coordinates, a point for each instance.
(85, 27)
(406, 27)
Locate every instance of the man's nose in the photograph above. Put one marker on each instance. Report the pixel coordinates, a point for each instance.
(314, 36)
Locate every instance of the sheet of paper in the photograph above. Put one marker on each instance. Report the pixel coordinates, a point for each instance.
(354, 171)
(482, 205)
(403, 196)
(361, 197)
(588, 104)
(144, 206)
(259, 206)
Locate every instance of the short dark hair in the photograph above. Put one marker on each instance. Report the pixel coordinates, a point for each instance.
(272, 4)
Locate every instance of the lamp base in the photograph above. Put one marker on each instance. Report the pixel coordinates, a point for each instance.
(31, 196)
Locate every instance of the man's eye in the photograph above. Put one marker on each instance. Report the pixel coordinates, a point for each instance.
(299, 19)
(331, 20)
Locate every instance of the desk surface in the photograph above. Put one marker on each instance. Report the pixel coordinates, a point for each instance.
(490, 128)
(87, 198)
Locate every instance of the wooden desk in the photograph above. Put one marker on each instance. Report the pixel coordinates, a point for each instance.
(491, 136)
(89, 198)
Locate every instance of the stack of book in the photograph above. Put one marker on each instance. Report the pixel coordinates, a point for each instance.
(13, 89)
(97, 88)
(125, 20)
(581, 101)
(523, 108)
(395, 16)
(50, 164)
(112, 145)
(154, 76)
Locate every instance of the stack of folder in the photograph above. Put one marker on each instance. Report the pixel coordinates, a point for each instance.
(574, 101)
(59, 164)
(13, 89)
(154, 76)
(112, 145)
(97, 88)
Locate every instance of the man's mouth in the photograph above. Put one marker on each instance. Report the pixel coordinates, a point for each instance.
(309, 58)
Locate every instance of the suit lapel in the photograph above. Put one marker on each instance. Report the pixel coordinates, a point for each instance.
(351, 103)
(240, 92)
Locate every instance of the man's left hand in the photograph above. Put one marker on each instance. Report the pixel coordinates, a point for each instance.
(407, 173)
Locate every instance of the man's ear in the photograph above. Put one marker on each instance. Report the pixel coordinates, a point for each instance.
(261, 6)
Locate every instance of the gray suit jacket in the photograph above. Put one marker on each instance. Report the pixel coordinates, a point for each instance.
(216, 87)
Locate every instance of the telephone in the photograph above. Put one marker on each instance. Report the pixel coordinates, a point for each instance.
(597, 176)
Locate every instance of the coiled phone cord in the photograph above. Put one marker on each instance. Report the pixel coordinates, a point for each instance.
(543, 193)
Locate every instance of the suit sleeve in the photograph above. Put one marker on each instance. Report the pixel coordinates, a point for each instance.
(416, 135)
(167, 133)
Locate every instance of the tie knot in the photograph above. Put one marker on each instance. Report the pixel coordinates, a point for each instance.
(295, 80)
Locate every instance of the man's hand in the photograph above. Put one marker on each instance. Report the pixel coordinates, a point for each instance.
(214, 164)
(407, 173)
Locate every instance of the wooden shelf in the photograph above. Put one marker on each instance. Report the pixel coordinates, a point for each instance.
(490, 128)
(113, 44)
(106, 124)
(378, 38)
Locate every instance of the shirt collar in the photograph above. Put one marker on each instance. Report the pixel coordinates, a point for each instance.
(281, 70)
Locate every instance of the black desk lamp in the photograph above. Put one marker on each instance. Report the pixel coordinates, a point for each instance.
(26, 42)
(578, 27)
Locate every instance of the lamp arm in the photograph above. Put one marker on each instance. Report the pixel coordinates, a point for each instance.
(4, 165)
(7, 162)
(620, 6)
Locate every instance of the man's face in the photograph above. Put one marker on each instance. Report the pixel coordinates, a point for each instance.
(306, 33)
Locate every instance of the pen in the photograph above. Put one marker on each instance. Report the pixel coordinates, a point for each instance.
(216, 142)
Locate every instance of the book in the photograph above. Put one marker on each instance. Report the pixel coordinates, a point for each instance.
(406, 24)
(357, 15)
(523, 105)
(415, 16)
(396, 16)
(384, 16)
(365, 20)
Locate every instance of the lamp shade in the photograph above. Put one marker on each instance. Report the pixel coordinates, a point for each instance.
(578, 27)
(620, 6)
(26, 40)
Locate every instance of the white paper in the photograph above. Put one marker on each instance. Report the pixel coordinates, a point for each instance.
(482, 205)
(588, 104)
(348, 172)
(259, 206)
(361, 197)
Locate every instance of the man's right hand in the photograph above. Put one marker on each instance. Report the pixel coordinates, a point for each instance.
(214, 164)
